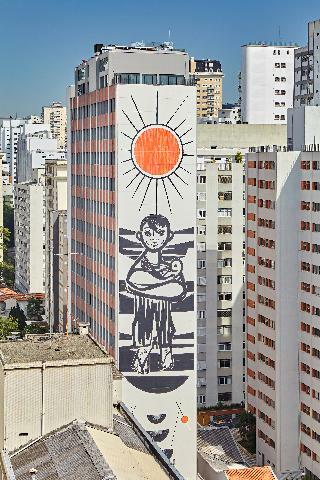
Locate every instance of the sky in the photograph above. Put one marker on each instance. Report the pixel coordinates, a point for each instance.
(41, 41)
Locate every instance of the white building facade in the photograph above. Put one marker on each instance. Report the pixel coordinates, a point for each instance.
(272, 181)
(55, 115)
(34, 146)
(267, 83)
(29, 237)
(307, 69)
(220, 270)
(10, 130)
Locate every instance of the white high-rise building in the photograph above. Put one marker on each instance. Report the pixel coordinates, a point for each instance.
(10, 130)
(272, 186)
(267, 82)
(29, 237)
(307, 69)
(220, 269)
(55, 115)
(34, 146)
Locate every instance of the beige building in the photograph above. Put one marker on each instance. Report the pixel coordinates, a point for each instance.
(55, 115)
(63, 271)
(55, 204)
(47, 382)
(208, 79)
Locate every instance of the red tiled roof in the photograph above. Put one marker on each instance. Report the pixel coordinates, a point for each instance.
(6, 293)
(254, 473)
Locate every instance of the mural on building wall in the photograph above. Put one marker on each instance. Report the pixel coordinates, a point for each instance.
(156, 179)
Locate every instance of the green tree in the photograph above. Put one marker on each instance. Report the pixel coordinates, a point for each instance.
(7, 326)
(35, 309)
(8, 222)
(238, 157)
(247, 430)
(36, 328)
(18, 314)
(7, 264)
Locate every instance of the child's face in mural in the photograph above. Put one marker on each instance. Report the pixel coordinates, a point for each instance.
(154, 237)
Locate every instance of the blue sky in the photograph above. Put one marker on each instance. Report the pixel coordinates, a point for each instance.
(42, 40)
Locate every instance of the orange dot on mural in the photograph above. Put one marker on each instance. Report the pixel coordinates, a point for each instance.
(184, 419)
(156, 151)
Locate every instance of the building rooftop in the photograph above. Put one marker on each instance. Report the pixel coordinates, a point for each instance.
(255, 473)
(271, 44)
(218, 447)
(6, 293)
(44, 348)
(89, 452)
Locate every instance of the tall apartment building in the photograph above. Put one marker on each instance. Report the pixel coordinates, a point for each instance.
(267, 82)
(55, 115)
(10, 129)
(55, 206)
(307, 69)
(220, 263)
(63, 271)
(29, 237)
(35, 145)
(272, 271)
(133, 185)
(208, 80)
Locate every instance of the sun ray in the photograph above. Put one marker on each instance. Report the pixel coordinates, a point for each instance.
(188, 154)
(145, 194)
(138, 111)
(175, 173)
(127, 136)
(165, 189)
(175, 187)
(185, 170)
(156, 196)
(130, 121)
(128, 171)
(185, 133)
(137, 188)
(187, 143)
(128, 160)
(176, 110)
(175, 129)
(157, 108)
(131, 181)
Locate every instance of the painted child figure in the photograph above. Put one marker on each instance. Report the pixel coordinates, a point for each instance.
(156, 284)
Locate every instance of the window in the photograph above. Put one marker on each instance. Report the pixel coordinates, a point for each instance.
(127, 78)
(201, 297)
(225, 346)
(149, 79)
(201, 230)
(201, 264)
(201, 196)
(201, 314)
(225, 397)
(202, 399)
(201, 213)
(201, 179)
(224, 279)
(225, 380)
(227, 312)
(224, 212)
(224, 296)
(201, 246)
(202, 281)
(172, 80)
(224, 363)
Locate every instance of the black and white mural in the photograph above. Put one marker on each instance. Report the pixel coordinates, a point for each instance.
(157, 263)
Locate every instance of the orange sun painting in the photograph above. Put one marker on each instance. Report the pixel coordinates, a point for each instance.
(158, 156)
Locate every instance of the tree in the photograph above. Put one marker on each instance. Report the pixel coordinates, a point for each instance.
(35, 328)
(18, 314)
(7, 264)
(8, 222)
(34, 309)
(238, 157)
(7, 326)
(247, 430)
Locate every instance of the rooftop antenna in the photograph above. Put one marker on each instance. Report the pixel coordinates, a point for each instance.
(169, 35)
(279, 33)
